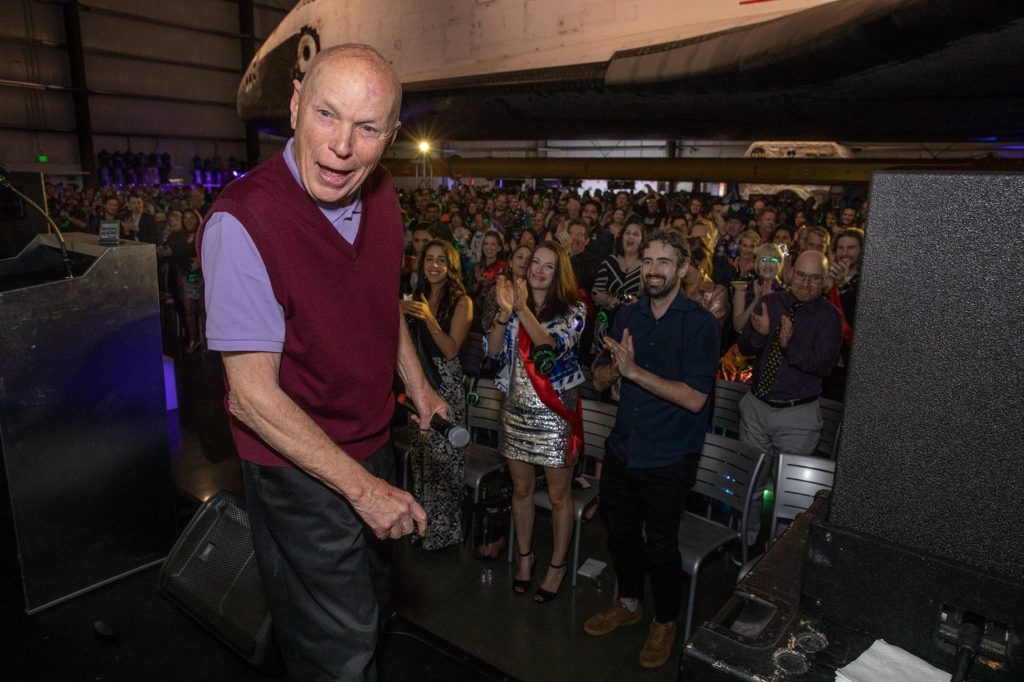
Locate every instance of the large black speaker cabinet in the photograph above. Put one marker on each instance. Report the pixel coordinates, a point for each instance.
(926, 515)
(931, 453)
(211, 574)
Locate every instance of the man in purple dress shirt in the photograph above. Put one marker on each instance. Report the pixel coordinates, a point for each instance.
(298, 257)
(796, 336)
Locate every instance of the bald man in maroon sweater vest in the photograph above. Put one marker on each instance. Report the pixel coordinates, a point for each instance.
(302, 259)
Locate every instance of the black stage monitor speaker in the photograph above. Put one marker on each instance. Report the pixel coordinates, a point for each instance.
(934, 421)
(926, 515)
(211, 574)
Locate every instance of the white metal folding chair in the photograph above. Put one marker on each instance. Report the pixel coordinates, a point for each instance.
(725, 414)
(587, 389)
(832, 420)
(799, 478)
(725, 473)
(483, 411)
(472, 354)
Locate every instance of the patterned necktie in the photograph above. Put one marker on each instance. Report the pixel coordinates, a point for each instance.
(766, 379)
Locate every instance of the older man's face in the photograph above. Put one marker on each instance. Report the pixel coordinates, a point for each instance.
(344, 119)
(808, 276)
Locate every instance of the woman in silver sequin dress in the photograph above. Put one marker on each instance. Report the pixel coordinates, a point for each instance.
(546, 307)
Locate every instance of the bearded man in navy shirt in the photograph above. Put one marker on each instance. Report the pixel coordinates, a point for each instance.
(665, 350)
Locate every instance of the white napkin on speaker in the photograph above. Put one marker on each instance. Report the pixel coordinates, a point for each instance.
(883, 662)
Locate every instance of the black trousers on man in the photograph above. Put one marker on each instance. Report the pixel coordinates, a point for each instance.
(324, 572)
(650, 501)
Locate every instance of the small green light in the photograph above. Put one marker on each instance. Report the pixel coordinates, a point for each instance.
(43, 158)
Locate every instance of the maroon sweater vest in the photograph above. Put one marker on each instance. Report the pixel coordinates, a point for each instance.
(340, 304)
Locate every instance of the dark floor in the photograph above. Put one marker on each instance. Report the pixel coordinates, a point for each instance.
(451, 595)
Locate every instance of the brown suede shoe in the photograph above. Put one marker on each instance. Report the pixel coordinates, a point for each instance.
(658, 647)
(612, 618)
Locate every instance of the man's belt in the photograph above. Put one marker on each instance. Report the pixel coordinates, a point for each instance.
(787, 403)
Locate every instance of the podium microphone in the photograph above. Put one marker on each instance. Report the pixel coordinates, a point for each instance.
(456, 435)
(5, 182)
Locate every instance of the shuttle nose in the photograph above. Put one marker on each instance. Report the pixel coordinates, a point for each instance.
(248, 89)
(266, 86)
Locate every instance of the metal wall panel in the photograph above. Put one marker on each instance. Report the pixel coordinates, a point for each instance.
(151, 40)
(35, 109)
(39, 20)
(34, 63)
(220, 16)
(148, 118)
(61, 149)
(124, 75)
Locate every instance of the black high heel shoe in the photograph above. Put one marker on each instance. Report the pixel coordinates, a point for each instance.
(542, 596)
(523, 586)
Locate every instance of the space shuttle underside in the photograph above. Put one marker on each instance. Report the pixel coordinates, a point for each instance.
(788, 69)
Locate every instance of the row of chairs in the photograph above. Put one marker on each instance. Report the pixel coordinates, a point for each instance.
(725, 415)
(728, 471)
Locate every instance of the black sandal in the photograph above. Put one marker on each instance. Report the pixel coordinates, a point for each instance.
(523, 586)
(542, 596)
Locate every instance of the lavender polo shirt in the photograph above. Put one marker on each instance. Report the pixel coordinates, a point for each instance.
(242, 313)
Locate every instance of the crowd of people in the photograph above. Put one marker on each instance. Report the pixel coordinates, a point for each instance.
(168, 218)
(657, 293)
(740, 251)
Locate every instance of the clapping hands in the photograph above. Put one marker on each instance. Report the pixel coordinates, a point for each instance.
(759, 320)
(622, 354)
(511, 295)
(419, 309)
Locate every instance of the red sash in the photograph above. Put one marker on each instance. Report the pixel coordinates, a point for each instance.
(833, 296)
(547, 394)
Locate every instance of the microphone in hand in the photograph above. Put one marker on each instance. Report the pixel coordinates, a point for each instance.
(458, 436)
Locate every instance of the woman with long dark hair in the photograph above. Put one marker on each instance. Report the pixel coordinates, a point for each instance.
(535, 340)
(440, 313)
(618, 279)
(190, 277)
(492, 260)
